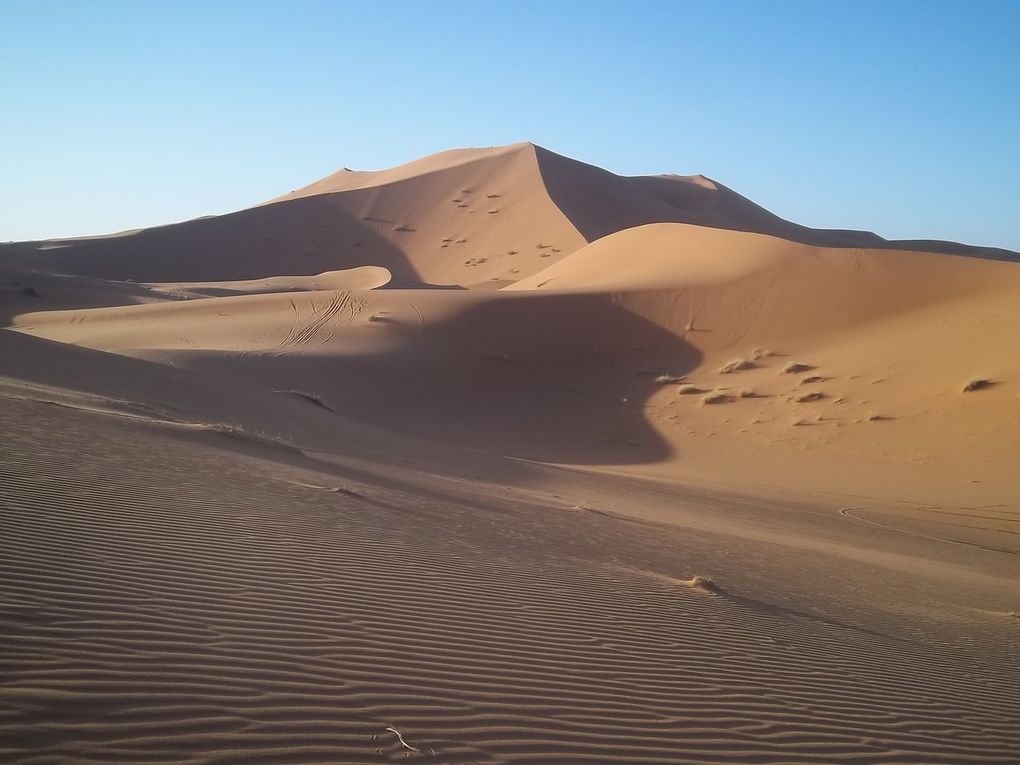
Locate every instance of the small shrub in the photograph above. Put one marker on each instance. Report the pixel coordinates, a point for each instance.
(346, 490)
(810, 380)
(313, 398)
(976, 383)
(796, 368)
(735, 366)
(697, 582)
(813, 396)
(715, 397)
(666, 379)
(688, 390)
(747, 393)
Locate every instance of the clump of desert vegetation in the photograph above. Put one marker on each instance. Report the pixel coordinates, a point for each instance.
(698, 582)
(718, 396)
(812, 396)
(736, 365)
(688, 390)
(976, 383)
(796, 368)
(666, 379)
(309, 396)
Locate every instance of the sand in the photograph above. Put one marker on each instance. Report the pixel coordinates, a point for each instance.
(499, 457)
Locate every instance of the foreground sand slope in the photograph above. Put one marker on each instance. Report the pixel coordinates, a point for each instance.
(206, 595)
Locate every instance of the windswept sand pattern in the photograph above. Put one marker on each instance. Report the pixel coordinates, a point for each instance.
(167, 600)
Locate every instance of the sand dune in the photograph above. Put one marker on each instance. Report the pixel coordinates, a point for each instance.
(467, 217)
(500, 457)
(575, 352)
(361, 278)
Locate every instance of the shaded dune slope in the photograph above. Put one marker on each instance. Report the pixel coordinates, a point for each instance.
(306, 236)
(487, 370)
(600, 203)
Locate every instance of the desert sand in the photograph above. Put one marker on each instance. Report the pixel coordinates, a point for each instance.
(499, 457)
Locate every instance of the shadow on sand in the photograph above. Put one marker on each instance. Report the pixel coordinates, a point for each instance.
(552, 378)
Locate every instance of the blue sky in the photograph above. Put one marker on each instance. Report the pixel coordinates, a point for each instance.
(894, 116)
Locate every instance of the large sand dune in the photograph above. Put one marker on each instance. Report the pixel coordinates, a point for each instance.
(426, 463)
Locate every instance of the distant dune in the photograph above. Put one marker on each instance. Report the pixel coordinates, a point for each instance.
(500, 457)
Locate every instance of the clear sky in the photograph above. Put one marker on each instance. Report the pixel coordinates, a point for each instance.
(894, 116)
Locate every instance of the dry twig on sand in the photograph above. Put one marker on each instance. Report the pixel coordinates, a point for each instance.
(400, 738)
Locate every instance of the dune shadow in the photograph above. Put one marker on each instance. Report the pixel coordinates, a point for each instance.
(297, 237)
(774, 609)
(25, 289)
(606, 203)
(538, 377)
